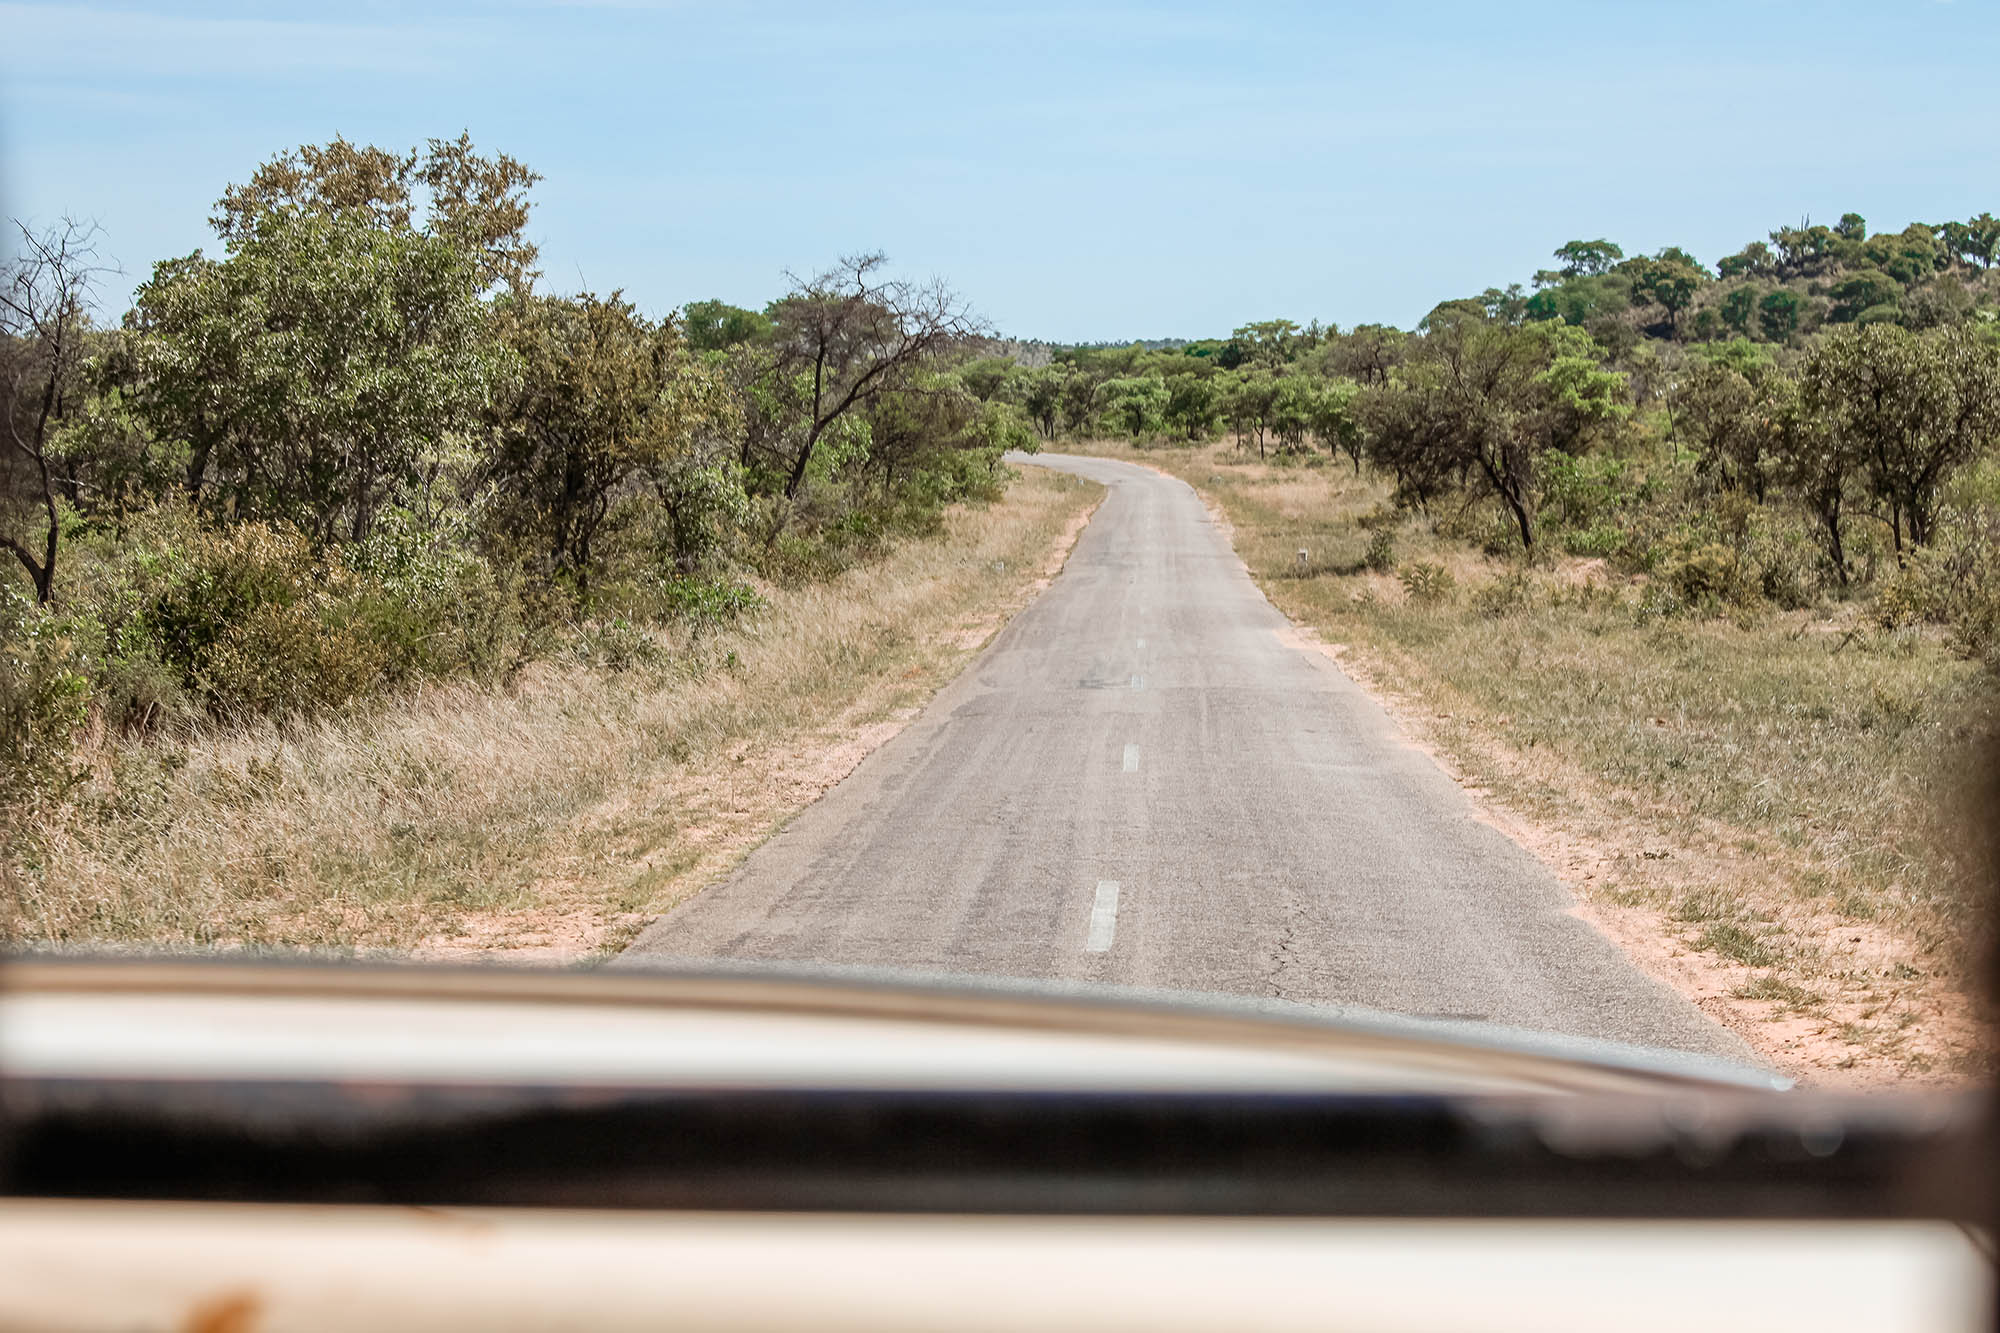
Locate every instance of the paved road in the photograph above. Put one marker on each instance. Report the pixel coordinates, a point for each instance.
(1141, 782)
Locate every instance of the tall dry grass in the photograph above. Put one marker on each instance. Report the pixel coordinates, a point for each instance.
(423, 816)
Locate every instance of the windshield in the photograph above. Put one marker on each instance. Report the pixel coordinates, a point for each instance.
(1286, 505)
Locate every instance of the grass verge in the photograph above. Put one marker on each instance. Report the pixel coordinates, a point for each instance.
(550, 820)
(1760, 808)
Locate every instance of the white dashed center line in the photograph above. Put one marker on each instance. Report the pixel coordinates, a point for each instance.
(1138, 682)
(1103, 917)
(1131, 759)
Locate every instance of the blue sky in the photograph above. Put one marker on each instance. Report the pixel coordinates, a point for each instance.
(1079, 171)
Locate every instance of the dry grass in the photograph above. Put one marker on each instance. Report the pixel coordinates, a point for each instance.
(1760, 809)
(554, 817)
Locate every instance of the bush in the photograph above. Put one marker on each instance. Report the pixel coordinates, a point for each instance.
(1381, 553)
(1954, 582)
(44, 701)
(1427, 584)
(1708, 575)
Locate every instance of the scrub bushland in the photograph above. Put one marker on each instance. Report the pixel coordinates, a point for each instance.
(550, 813)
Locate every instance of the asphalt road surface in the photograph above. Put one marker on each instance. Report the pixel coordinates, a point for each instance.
(1142, 782)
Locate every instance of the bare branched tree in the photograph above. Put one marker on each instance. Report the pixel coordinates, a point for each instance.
(44, 315)
(843, 338)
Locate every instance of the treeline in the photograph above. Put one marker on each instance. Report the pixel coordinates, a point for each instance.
(1630, 410)
(358, 447)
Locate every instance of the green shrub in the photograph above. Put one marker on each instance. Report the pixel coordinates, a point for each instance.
(1427, 584)
(45, 698)
(1709, 574)
(1955, 582)
(1600, 541)
(1381, 553)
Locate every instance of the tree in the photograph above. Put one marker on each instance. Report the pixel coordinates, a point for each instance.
(1779, 313)
(1912, 407)
(1331, 419)
(1752, 261)
(1983, 239)
(1487, 401)
(1861, 292)
(445, 190)
(1268, 343)
(1804, 250)
(1042, 398)
(1135, 405)
(312, 371)
(1739, 310)
(1587, 259)
(1366, 353)
(1817, 465)
(606, 404)
(714, 326)
(1725, 405)
(1670, 281)
(1581, 301)
(1248, 399)
(839, 340)
(1191, 404)
(44, 304)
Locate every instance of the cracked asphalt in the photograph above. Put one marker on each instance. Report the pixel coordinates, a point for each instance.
(1142, 781)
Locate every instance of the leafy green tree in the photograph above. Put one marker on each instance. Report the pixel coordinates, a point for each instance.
(444, 190)
(1042, 398)
(606, 405)
(715, 326)
(1804, 251)
(1738, 309)
(1509, 305)
(1248, 401)
(1669, 280)
(313, 371)
(1912, 407)
(1334, 420)
(1080, 390)
(1135, 406)
(991, 378)
(1983, 239)
(1909, 256)
(1581, 301)
(1818, 466)
(1754, 260)
(1488, 401)
(1861, 292)
(1269, 344)
(1587, 259)
(1726, 406)
(1779, 313)
(1191, 404)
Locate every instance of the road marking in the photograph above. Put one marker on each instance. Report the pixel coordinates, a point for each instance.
(1138, 682)
(1103, 917)
(1131, 759)
(1142, 645)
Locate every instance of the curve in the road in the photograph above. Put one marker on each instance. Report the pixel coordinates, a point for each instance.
(1143, 781)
